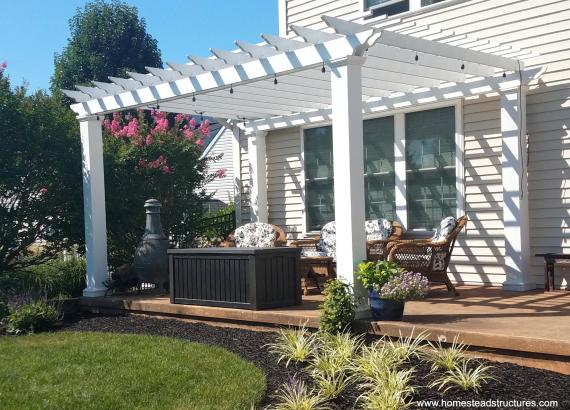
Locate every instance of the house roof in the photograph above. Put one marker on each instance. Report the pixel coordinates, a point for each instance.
(286, 81)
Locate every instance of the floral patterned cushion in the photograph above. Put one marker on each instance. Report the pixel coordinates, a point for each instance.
(378, 229)
(327, 243)
(439, 261)
(307, 253)
(255, 235)
(446, 226)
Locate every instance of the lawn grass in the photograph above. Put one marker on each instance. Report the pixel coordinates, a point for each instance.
(68, 370)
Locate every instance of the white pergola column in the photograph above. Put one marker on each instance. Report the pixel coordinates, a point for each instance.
(515, 191)
(346, 88)
(94, 206)
(258, 176)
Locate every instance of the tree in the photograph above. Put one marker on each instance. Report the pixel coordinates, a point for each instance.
(107, 39)
(40, 177)
(153, 155)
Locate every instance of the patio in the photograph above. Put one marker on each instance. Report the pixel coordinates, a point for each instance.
(505, 323)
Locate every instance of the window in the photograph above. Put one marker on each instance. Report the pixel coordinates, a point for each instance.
(387, 7)
(430, 171)
(430, 167)
(391, 7)
(319, 186)
(379, 178)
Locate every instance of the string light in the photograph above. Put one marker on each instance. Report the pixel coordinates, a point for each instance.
(231, 89)
(463, 66)
(193, 97)
(244, 122)
(416, 58)
(323, 70)
(275, 80)
(504, 75)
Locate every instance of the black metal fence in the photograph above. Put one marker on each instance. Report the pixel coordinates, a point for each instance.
(210, 228)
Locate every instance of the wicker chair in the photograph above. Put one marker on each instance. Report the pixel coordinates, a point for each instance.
(427, 256)
(376, 249)
(254, 234)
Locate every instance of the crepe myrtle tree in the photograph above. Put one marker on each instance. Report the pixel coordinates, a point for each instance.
(153, 155)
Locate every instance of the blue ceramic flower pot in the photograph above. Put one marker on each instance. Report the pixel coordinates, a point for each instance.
(383, 309)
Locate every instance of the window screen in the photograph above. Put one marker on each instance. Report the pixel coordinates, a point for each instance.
(379, 178)
(392, 7)
(430, 167)
(319, 185)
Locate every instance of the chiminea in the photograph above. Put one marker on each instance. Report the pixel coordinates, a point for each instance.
(151, 258)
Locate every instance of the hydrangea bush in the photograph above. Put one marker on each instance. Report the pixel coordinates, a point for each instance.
(407, 286)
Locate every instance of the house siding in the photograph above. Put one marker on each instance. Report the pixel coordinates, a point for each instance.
(308, 12)
(222, 189)
(539, 25)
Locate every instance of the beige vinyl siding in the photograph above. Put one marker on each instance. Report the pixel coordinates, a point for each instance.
(245, 214)
(308, 12)
(539, 25)
(479, 254)
(223, 188)
(284, 182)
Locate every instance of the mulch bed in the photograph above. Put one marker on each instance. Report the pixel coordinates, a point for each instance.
(514, 382)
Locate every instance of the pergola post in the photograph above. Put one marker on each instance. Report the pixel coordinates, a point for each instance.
(346, 91)
(258, 176)
(94, 206)
(515, 191)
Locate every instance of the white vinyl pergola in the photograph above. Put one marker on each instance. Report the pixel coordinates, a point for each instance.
(337, 75)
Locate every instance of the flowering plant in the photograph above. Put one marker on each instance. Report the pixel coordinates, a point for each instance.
(409, 285)
(152, 154)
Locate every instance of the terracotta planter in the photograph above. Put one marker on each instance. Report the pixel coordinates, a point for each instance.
(383, 309)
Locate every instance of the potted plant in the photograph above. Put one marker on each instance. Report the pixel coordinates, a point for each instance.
(388, 303)
(373, 276)
(393, 294)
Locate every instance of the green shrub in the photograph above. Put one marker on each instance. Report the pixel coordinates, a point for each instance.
(50, 279)
(338, 308)
(4, 310)
(32, 317)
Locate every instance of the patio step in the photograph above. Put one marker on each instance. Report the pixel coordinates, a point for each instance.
(304, 314)
(537, 352)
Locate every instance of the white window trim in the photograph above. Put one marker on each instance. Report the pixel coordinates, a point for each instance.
(400, 158)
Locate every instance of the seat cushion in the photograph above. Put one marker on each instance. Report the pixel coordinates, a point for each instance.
(255, 235)
(327, 243)
(307, 253)
(378, 229)
(446, 226)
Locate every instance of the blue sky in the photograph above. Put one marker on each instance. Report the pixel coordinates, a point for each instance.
(36, 29)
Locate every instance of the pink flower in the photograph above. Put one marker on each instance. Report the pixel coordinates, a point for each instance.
(200, 142)
(3, 67)
(188, 133)
(166, 169)
(221, 173)
(43, 190)
(193, 123)
(132, 128)
(149, 139)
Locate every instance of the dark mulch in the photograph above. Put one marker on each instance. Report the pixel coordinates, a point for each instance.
(514, 382)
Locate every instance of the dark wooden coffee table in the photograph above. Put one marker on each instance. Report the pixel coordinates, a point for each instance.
(307, 272)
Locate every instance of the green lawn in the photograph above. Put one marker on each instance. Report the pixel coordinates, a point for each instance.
(114, 371)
